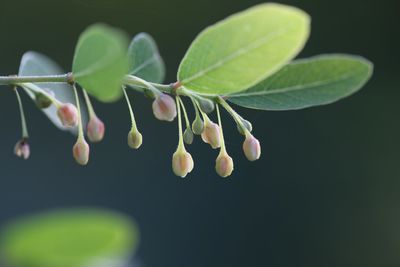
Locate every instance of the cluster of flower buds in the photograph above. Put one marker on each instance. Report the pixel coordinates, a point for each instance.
(212, 134)
(165, 108)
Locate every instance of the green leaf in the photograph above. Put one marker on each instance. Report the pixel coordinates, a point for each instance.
(69, 238)
(32, 64)
(244, 49)
(100, 61)
(309, 82)
(144, 59)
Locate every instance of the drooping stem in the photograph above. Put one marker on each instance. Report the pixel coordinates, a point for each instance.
(80, 126)
(22, 113)
(134, 126)
(89, 105)
(181, 145)
(233, 113)
(223, 149)
(185, 113)
(196, 109)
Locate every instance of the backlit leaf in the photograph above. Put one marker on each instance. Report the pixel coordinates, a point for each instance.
(308, 82)
(244, 49)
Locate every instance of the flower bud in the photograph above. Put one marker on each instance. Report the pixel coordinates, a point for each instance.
(164, 107)
(95, 129)
(206, 105)
(211, 134)
(42, 101)
(182, 163)
(224, 164)
(81, 151)
(188, 136)
(134, 139)
(68, 115)
(22, 149)
(197, 126)
(246, 124)
(251, 147)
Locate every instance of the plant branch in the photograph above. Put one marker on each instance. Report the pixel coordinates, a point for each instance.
(12, 80)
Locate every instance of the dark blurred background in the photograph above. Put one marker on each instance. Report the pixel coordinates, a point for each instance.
(326, 191)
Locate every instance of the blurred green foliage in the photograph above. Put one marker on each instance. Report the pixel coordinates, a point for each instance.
(69, 238)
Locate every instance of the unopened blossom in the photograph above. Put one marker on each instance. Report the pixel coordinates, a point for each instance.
(182, 163)
(43, 101)
(251, 147)
(81, 151)
(164, 107)
(135, 139)
(95, 129)
(22, 149)
(211, 134)
(68, 115)
(224, 164)
(188, 136)
(197, 126)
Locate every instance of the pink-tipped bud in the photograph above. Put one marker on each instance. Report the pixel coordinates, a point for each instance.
(251, 147)
(224, 164)
(81, 151)
(182, 163)
(135, 139)
(22, 149)
(211, 134)
(164, 107)
(68, 115)
(95, 129)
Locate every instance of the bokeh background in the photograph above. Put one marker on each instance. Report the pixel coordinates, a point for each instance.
(326, 191)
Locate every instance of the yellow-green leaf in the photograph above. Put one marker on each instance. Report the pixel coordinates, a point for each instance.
(244, 49)
(100, 61)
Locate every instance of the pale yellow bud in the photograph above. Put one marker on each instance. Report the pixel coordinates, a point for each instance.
(135, 139)
(182, 163)
(224, 164)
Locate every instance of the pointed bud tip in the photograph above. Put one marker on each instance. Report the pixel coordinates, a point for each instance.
(135, 139)
(68, 115)
(164, 107)
(182, 163)
(81, 151)
(95, 129)
(251, 147)
(22, 149)
(224, 165)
